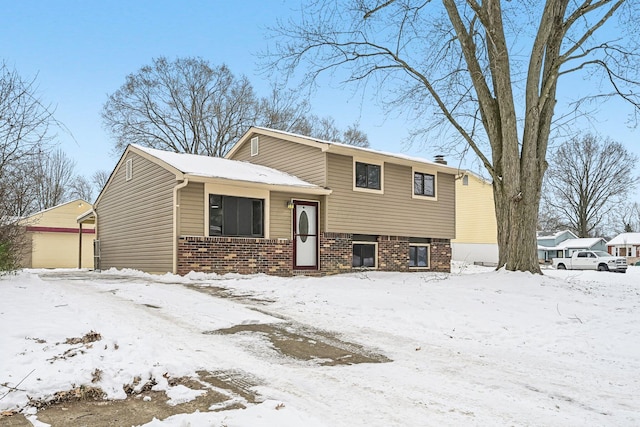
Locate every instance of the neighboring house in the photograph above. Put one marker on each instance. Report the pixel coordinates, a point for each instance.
(476, 227)
(626, 245)
(564, 244)
(54, 239)
(279, 204)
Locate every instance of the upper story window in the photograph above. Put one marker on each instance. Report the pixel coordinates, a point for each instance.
(368, 176)
(424, 184)
(235, 216)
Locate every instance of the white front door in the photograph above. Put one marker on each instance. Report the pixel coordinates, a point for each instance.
(305, 234)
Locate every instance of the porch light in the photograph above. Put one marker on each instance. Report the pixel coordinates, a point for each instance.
(290, 204)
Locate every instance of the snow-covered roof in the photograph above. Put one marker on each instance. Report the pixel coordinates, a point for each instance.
(556, 235)
(217, 167)
(585, 242)
(625, 239)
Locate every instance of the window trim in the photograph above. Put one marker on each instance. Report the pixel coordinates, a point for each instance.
(375, 255)
(425, 245)
(423, 171)
(379, 163)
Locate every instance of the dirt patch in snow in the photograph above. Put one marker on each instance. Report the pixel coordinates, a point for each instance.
(303, 343)
(221, 390)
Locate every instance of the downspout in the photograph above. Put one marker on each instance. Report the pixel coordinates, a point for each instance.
(97, 237)
(80, 245)
(176, 206)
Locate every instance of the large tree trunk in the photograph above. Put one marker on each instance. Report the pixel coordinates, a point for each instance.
(517, 199)
(517, 217)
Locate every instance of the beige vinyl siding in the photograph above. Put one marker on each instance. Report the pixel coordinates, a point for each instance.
(135, 218)
(191, 212)
(475, 212)
(281, 217)
(303, 161)
(394, 213)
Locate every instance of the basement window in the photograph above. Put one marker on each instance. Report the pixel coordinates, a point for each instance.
(365, 255)
(419, 256)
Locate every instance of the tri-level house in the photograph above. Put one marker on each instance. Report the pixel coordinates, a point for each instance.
(280, 204)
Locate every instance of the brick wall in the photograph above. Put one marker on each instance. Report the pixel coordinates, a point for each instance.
(441, 255)
(335, 253)
(275, 256)
(393, 253)
(234, 255)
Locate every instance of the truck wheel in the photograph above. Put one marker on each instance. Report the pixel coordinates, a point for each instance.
(561, 267)
(603, 267)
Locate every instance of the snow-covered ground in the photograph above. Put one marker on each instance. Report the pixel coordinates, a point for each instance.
(475, 347)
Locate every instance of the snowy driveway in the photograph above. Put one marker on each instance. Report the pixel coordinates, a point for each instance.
(479, 348)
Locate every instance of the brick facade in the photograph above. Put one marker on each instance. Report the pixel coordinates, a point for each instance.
(440, 255)
(275, 256)
(393, 253)
(335, 253)
(235, 255)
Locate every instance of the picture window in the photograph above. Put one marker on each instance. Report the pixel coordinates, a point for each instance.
(235, 216)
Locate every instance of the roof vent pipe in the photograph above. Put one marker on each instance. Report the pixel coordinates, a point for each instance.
(440, 159)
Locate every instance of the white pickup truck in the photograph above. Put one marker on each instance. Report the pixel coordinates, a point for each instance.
(591, 260)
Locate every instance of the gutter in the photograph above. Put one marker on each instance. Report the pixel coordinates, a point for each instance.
(176, 206)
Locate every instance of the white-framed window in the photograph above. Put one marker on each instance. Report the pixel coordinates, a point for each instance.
(255, 141)
(419, 255)
(424, 184)
(465, 180)
(365, 254)
(368, 176)
(128, 170)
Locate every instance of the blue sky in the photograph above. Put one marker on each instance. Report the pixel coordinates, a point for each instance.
(81, 51)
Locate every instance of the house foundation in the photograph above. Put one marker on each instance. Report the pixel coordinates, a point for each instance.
(241, 255)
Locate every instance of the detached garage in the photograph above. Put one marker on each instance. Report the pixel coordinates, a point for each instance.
(54, 239)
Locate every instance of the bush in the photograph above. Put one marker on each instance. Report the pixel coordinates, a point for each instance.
(6, 260)
(12, 247)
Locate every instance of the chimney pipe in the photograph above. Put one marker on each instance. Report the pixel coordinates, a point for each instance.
(440, 159)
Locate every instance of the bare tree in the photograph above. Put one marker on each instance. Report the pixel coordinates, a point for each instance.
(24, 133)
(354, 136)
(588, 178)
(284, 110)
(488, 71)
(99, 179)
(54, 175)
(184, 105)
(628, 218)
(81, 188)
(189, 106)
(24, 120)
